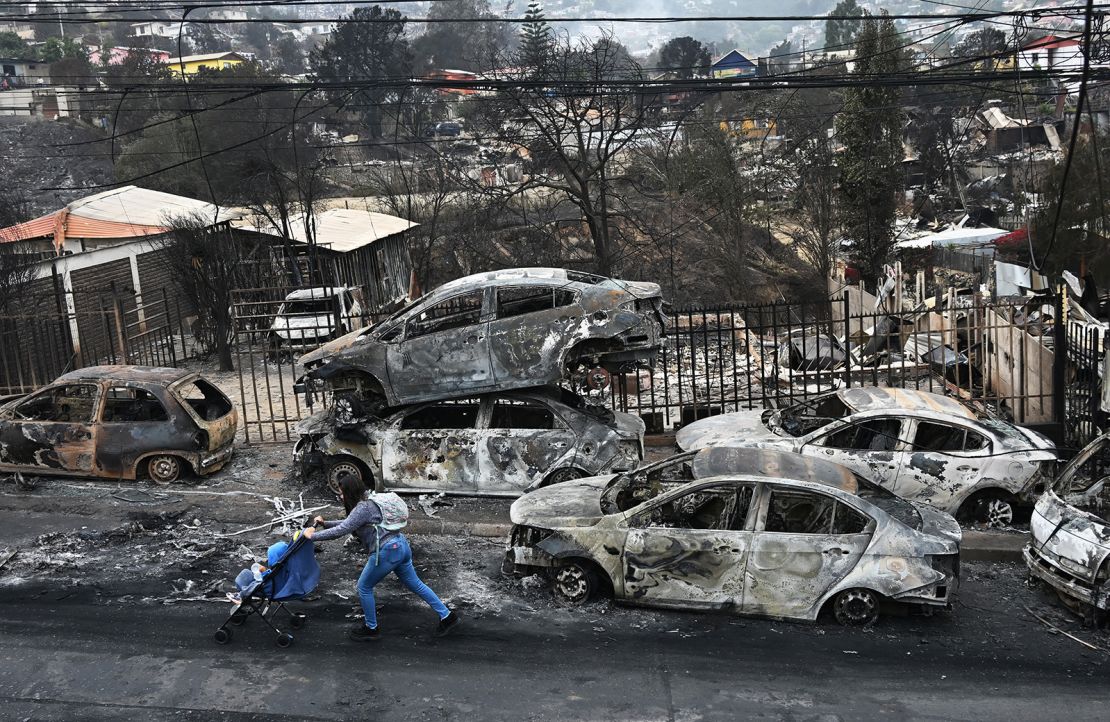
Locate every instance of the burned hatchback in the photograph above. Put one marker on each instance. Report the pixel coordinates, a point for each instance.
(490, 445)
(120, 422)
(921, 446)
(501, 330)
(753, 531)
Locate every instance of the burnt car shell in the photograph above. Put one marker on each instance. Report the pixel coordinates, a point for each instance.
(1069, 547)
(485, 332)
(199, 431)
(907, 553)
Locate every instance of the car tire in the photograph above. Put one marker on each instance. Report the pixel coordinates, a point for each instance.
(575, 583)
(856, 607)
(347, 465)
(995, 509)
(567, 473)
(164, 468)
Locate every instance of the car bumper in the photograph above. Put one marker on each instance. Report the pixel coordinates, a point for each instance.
(214, 462)
(1044, 569)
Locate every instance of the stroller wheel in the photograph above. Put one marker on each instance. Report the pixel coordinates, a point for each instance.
(297, 621)
(284, 640)
(223, 635)
(238, 617)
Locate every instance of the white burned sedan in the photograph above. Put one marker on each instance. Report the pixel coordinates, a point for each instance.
(754, 531)
(921, 446)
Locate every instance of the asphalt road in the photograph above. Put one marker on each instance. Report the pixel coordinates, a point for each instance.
(108, 608)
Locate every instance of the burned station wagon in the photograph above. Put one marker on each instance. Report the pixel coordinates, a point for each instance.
(495, 444)
(501, 330)
(921, 446)
(119, 422)
(754, 531)
(1069, 547)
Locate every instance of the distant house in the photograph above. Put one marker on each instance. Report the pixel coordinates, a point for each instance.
(456, 75)
(119, 54)
(156, 29)
(1052, 52)
(193, 64)
(21, 72)
(734, 64)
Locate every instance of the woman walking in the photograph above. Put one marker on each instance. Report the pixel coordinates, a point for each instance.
(389, 552)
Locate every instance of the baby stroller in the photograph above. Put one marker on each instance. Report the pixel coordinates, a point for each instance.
(292, 575)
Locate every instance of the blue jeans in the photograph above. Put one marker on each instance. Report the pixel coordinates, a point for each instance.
(395, 556)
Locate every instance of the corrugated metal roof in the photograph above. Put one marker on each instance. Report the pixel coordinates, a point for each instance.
(339, 229)
(207, 56)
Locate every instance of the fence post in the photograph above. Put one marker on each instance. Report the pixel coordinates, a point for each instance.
(169, 328)
(120, 330)
(1059, 358)
(847, 341)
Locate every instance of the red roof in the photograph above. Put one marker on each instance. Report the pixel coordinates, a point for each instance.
(61, 224)
(1049, 42)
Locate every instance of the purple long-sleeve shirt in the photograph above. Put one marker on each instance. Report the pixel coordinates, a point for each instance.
(362, 522)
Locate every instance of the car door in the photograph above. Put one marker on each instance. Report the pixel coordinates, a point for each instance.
(444, 349)
(690, 548)
(804, 543)
(433, 447)
(132, 422)
(871, 447)
(53, 430)
(524, 441)
(529, 329)
(943, 461)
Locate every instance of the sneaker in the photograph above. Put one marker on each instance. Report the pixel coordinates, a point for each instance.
(447, 625)
(362, 633)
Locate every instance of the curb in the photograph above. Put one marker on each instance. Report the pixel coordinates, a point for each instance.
(444, 527)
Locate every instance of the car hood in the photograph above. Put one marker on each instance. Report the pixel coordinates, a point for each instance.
(1076, 540)
(332, 347)
(570, 503)
(735, 429)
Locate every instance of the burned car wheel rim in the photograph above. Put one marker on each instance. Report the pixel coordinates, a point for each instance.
(856, 607)
(339, 469)
(164, 469)
(998, 513)
(573, 584)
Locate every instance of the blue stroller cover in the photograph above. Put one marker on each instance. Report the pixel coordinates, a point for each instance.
(295, 573)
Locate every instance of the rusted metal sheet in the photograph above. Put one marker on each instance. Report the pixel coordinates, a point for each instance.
(746, 541)
(109, 421)
(503, 330)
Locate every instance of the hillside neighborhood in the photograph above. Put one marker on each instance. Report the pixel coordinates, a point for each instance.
(676, 350)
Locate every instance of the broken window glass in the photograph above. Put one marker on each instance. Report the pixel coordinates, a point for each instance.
(529, 299)
(872, 435)
(580, 277)
(71, 402)
(132, 405)
(461, 414)
(518, 414)
(722, 507)
(204, 398)
(647, 482)
(804, 512)
(454, 312)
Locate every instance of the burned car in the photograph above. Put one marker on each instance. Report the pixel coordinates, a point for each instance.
(490, 445)
(1069, 547)
(921, 446)
(501, 330)
(754, 531)
(120, 422)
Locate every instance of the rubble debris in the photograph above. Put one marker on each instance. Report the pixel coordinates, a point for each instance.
(6, 555)
(659, 536)
(1057, 630)
(428, 503)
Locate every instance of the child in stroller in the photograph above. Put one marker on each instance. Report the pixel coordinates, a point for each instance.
(292, 573)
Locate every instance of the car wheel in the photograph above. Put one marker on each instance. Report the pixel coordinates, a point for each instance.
(994, 509)
(575, 583)
(560, 475)
(163, 469)
(856, 607)
(341, 467)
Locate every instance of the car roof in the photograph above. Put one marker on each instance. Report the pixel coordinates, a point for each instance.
(876, 398)
(508, 276)
(773, 464)
(141, 374)
(318, 292)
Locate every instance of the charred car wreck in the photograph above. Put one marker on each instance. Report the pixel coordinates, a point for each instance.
(495, 331)
(754, 531)
(492, 445)
(921, 446)
(119, 422)
(1069, 547)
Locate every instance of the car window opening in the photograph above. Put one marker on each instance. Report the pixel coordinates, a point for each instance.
(309, 307)
(71, 402)
(208, 401)
(514, 414)
(518, 301)
(942, 437)
(872, 435)
(801, 419)
(801, 512)
(133, 406)
(455, 312)
(460, 414)
(631, 490)
(719, 508)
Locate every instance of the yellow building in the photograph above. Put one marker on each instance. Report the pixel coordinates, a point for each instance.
(193, 64)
